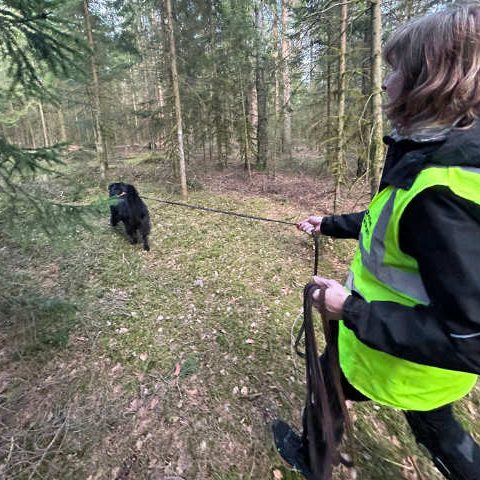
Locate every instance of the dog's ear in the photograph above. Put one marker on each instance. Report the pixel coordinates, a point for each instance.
(130, 190)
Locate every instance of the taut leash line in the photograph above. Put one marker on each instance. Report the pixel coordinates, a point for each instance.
(215, 210)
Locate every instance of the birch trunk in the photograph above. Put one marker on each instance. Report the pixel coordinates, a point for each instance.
(176, 94)
(376, 148)
(100, 143)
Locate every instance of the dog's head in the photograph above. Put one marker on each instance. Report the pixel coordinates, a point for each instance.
(118, 189)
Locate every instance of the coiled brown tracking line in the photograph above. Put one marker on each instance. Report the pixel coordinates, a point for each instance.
(320, 421)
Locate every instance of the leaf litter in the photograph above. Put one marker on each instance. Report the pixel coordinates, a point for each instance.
(185, 352)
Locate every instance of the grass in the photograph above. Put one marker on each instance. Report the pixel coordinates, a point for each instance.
(118, 363)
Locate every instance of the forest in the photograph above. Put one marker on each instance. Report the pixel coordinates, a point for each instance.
(170, 364)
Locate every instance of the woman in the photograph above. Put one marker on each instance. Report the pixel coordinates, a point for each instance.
(409, 323)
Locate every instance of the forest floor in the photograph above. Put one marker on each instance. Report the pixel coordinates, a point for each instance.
(121, 364)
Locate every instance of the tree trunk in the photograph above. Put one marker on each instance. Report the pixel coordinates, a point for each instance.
(340, 157)
(176, 94)
(33, 143)
(161, 134)
(44, 125)
(245, 140)
(262, 135)
(100, 143)
(376, 149)
(63, 128)
(276, 94)
(286, 107)
(408, 9)
(366, 119)
(330, 126)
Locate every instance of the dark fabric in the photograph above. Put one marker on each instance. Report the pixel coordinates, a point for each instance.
(292, 448)
(343, 226)
(441, 231)
(406, 158)
(453, 451)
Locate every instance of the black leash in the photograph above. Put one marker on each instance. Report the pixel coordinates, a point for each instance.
(215, 210)
(316, 241)
(320, 417)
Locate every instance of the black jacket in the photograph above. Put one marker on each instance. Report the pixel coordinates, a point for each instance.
(442, 232)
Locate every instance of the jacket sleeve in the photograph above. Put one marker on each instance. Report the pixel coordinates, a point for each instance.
(343, 226)
(441, 231)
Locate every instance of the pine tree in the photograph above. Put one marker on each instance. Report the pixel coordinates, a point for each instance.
(34, 42)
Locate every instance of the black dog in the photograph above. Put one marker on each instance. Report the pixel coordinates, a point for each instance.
(131, 211)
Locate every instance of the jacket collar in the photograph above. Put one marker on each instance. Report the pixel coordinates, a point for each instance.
(457, 147)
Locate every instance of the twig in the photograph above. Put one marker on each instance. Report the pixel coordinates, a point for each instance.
(401, 465)
(12, 443)
(54, 439)
(415, 466)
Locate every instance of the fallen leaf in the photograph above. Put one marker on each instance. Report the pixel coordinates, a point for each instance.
(277, 474)
(177, 369)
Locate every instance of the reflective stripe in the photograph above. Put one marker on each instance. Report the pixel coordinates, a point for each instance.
(408, 283)
(349, 281)
(472, 335)
(471, 169)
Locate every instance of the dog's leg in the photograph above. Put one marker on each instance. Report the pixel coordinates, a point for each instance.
(146, 246)
(131, 234)
(113, 217)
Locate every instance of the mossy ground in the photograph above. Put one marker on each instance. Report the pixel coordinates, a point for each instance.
(116, 363)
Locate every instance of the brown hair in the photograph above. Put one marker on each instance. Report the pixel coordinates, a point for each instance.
(438, 56)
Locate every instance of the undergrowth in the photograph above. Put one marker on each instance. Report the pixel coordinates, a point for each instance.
(118, 363)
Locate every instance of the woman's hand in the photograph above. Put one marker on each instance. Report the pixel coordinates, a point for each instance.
(310, 225)
(335, 296)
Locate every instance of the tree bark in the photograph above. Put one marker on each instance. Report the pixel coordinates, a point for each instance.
(176, 94)
(100, 143)
(342, 55)
(262, 135)
(245, 137)
(408, 9)
(32, 135)
(44, 125)
(276, 94)
(330, 101)
(63, 128)
(366, 119)
(286, 107)
(376, 148)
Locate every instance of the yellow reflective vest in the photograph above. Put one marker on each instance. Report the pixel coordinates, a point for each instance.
(380, 271)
